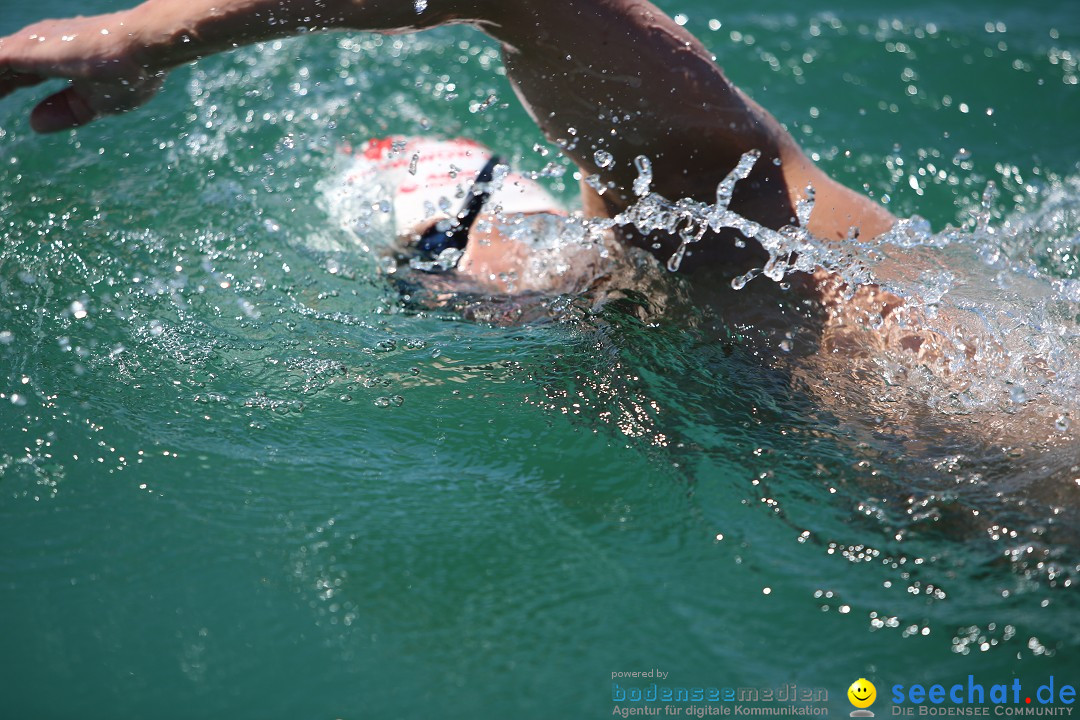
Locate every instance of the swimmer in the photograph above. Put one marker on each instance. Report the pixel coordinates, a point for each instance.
(616, 76)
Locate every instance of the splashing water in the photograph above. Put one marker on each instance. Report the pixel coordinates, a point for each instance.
(1005, 328)
(791, 249)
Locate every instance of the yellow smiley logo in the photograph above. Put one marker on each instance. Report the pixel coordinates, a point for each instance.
(862, 693)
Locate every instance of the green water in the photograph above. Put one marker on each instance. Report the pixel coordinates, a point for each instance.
(237, 480)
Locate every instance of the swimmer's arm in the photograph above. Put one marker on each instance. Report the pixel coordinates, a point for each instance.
(622, 77)
(118, 61)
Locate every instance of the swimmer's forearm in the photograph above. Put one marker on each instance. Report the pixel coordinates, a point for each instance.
(173, 32)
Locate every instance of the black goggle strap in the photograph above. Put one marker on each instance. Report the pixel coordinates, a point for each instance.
(434, 240)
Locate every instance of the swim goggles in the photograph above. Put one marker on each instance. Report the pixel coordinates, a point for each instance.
(434, 241)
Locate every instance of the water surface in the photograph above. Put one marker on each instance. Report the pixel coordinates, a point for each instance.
(236, 477)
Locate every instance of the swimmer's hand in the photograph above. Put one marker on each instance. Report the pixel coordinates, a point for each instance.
(99, 55)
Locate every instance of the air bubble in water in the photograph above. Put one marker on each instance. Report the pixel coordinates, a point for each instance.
(603, 159)
(1062, 423)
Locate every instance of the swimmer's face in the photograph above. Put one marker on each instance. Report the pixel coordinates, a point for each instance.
(862, 693)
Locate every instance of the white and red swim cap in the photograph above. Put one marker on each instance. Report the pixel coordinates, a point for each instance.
(423, 179)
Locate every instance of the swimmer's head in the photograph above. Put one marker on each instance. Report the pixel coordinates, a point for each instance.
(412, 182)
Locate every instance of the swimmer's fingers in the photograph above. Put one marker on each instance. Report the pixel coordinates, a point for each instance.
(83, 102)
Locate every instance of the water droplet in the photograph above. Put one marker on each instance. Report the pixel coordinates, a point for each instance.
(644, 179)
(727, 186)
(596, 184)
(420, 6)
(1062, 423)
(804, 207)
(739, 282)
(413, 163)
(603, 159)
(675, 261)
(488, 102)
